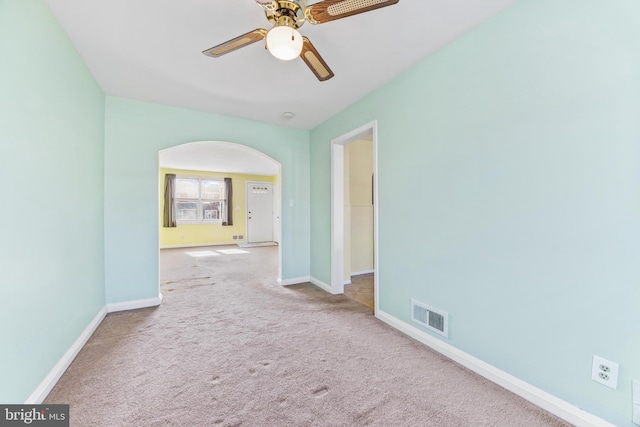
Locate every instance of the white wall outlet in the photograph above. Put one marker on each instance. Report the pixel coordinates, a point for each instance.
(635, 395)
(605, 372)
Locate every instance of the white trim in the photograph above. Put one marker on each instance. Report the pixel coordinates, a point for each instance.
(278, 233)
(294, 281)
(544, 400)
(132, 305)
(337, 217)
(321, 284)
(44, 388)
(376, 215)
(360, 273)
(200, 245)
(346, 282)
(306, 279)
(337, 205)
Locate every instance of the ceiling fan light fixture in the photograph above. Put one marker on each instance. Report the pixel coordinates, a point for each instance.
(284, 42)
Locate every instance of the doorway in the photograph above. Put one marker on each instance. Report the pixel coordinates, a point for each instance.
(354, 210)
(216, 160)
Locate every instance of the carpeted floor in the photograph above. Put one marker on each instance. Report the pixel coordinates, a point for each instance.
(361, 289)
(228, 347)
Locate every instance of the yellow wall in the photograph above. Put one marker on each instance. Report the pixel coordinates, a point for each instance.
(358, 207)
(204, 234)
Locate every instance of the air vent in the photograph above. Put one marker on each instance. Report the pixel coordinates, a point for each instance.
(429, 317)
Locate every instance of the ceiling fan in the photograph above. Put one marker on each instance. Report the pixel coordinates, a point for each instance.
(285, 42)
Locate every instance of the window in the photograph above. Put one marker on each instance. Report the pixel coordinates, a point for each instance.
(199, 200)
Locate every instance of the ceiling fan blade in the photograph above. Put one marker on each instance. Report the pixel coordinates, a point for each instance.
(314, 61)
(330, 10)
(236, 43)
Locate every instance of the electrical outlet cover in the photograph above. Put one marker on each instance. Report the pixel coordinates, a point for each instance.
(605, 372)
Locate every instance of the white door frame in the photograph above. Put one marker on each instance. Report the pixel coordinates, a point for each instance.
(337, 206)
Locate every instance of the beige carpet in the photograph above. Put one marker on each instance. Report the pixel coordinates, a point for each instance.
(228, 347)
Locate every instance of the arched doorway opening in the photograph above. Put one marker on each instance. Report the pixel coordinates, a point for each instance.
(213, 205)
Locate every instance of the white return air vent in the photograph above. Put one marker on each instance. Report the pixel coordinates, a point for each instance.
(430, 317)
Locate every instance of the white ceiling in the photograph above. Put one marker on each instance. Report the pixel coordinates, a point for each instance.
(218, 157)
(150, 50)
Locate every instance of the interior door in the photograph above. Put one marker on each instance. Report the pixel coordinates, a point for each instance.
(259, 212)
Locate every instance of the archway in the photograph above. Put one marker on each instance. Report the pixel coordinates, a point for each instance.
(208, 162)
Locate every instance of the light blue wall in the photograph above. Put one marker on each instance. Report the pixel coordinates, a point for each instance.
(509, 180)
(135, 132)
(509, 193)
(51, 221)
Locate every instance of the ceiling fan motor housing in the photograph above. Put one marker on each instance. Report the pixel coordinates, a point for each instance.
(286, 12)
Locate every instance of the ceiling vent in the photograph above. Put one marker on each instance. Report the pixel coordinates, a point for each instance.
(429, 317)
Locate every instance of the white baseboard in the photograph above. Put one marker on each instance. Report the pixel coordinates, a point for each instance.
(360, 273)
(47, 384)
(44, 388)
(549, 402)
(201, 245)
(295, 281)
(132, 305)
(306, 279)
(321, 284)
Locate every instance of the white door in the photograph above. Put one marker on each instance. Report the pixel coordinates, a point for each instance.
(259, 212)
